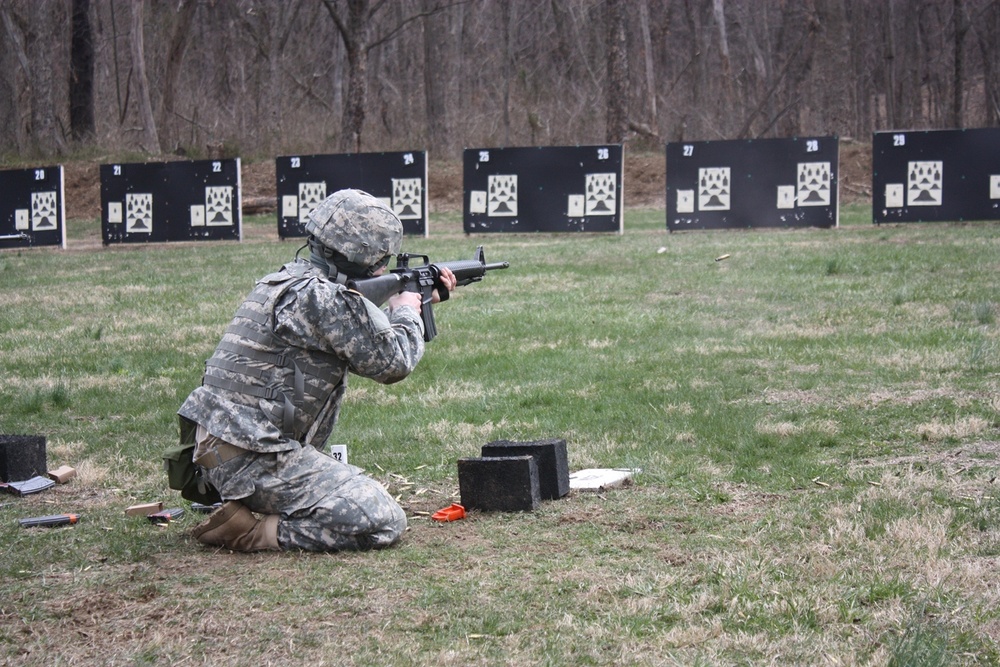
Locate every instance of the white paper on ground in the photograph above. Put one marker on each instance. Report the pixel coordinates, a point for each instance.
(595, 479)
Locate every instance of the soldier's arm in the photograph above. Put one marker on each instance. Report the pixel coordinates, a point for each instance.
(376, 345)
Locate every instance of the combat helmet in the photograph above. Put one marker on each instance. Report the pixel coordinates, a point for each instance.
(354, 232)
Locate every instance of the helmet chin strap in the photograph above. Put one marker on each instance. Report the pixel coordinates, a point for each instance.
(320, 261)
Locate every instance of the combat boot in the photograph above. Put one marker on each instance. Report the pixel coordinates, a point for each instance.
(235, 527)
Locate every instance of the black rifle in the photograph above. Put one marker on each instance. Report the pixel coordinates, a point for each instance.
(423, 279)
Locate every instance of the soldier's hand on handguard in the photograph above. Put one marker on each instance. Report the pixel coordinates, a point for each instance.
(446, 278)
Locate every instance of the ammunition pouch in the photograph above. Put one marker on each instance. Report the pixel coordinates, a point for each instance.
(184, 476)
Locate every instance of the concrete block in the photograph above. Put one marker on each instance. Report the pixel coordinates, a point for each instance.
(550, 456)
(22, 457)
(499, 484)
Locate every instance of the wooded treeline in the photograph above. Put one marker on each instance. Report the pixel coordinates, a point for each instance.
(270, 77)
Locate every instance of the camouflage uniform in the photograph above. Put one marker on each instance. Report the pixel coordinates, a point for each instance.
(274, 386)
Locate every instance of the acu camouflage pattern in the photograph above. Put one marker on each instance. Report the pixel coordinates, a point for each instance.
(289, 350)
(319, 331)
(358, 226)
(325, 505)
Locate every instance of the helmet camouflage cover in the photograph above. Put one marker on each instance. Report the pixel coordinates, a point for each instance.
(360, 231)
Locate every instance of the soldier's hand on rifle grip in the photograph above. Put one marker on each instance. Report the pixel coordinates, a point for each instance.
(446, 282)
(405, 298)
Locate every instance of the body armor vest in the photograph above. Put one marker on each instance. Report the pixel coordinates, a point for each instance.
(295, 389)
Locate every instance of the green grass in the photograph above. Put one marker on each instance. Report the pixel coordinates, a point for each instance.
(816, 420)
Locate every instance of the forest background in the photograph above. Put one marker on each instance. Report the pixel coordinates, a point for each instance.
(260, 78)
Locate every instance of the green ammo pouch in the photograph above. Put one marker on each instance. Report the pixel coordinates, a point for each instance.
(184, 476)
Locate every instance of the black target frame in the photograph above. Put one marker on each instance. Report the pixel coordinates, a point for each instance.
(150, 202)
(543, 189)
(731, 184)
(397, 178)
(32, 207)
(936, 175)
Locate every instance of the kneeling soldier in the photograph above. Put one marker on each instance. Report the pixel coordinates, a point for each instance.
(272, 391)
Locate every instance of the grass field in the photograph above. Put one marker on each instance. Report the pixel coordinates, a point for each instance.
(816, 420)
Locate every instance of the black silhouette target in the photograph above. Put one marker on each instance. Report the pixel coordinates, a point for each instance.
(938, 175)
(756, 183)
(397, 178)
(171, 201)
(543, 189)
(32, 207)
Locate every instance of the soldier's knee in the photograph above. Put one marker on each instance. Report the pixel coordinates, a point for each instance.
(391, 530)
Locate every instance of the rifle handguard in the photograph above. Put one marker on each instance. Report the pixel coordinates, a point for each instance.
(424, 279)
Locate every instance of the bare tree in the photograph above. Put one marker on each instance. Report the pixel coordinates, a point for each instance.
(149, 139)
(438, 58)
(617, 81)
(262, 76)
(958, 16)
(179, 38)
(719, 14)
(695, 74)
(508, 19)
(15, 44)
(270, 28)
(649, 69)
(354, 29)
(30, 37)
(81, 77)
(986, 26)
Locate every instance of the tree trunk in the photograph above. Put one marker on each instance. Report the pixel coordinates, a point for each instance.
(617, 83)
(149, 141)
(81, 73)
(507, 14)
(719, 13)
(647, 53)
(957, 82)
(561, 20)
(175, 56)
(45, 133)
(695, 75)
(269, 28)
(986, 30)
(437, 74)
(15, 40)
(890, 66)
(354, 31)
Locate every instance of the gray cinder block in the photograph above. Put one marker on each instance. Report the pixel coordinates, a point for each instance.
(499, 484)
(550, 456)
(21, 457)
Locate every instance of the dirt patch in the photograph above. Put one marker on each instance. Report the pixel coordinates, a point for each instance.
(644, 186)
(980, 454)
(444, 186)
(82, 189)
(855, 171)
